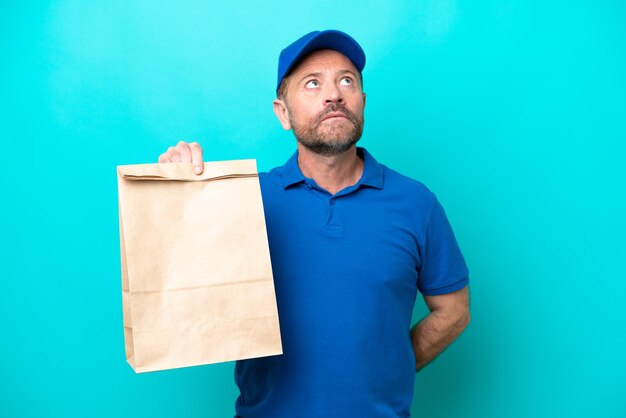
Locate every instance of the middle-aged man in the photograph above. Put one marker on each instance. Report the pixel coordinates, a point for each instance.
(351, 243)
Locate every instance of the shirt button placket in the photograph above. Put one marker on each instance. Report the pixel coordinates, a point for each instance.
(333, 225)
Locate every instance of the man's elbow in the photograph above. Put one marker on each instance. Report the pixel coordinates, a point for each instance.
(453, 321)
(462, 314)
(462, 321)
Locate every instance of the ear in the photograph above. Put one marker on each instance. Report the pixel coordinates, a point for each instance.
(282, 113)
(364, 97)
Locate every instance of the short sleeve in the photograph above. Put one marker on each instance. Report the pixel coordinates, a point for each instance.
(443, 268)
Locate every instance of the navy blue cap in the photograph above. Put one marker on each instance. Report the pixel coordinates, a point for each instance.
(326, 39)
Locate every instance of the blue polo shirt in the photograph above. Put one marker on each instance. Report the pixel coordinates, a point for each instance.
(347, 269)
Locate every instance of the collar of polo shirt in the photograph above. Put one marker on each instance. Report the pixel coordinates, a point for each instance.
(372, 171)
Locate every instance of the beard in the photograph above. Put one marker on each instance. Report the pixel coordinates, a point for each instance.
(330, 140)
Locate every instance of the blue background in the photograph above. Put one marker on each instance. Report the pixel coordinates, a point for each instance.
(513, 112)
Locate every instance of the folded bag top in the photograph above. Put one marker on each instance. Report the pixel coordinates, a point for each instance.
(184, 171)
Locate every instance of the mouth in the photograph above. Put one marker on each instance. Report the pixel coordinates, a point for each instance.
(334, 115)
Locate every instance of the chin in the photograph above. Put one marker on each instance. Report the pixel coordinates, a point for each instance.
(329, 146)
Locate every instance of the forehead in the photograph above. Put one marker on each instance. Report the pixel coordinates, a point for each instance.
(324, 59)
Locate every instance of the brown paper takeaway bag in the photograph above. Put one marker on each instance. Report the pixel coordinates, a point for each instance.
(197, 284)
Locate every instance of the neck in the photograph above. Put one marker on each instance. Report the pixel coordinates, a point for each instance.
(334, 172)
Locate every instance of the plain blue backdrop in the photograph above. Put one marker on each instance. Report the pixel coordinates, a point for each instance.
(512, 112)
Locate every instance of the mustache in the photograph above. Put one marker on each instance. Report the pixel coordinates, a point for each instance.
(334, 108)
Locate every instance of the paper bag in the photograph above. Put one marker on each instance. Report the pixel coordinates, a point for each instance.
(197, 284)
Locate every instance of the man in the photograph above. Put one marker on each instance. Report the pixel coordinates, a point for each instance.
(351, 243)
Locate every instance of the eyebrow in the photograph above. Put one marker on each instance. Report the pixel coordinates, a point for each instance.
(309, 75)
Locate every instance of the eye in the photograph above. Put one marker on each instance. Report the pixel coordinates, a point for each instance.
(346, 81)
(311, 84)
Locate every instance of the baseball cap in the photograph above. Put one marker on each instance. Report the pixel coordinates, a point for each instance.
(326, 39)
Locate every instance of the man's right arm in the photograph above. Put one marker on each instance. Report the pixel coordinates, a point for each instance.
(184, 152)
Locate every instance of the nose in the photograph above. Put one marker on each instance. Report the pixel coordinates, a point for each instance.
(333, 95)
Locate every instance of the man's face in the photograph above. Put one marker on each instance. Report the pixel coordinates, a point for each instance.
(323, 103)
